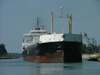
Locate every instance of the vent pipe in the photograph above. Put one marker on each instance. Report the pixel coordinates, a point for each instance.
(70, 24)
(51, 22)
(61, 10)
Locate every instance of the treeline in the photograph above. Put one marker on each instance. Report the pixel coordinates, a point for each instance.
(3, 51)
(88, 49)
(16, 54)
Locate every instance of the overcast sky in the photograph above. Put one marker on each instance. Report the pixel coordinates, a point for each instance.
(19, 16)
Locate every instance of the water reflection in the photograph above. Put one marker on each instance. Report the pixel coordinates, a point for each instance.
(52, 68)
(20, 67)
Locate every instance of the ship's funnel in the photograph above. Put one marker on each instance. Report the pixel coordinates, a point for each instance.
(51, 22)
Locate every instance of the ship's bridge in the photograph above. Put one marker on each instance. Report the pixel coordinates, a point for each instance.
(35, 32)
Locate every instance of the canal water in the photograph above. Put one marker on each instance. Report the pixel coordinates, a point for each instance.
(20, 67)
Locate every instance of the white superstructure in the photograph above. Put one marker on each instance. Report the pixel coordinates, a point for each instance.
(32, 38)
(60, 37)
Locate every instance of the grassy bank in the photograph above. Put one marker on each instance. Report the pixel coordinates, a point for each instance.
(98, 56)
(7, 56)
(94, 58)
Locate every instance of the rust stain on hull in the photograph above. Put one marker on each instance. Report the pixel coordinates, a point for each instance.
(47, 58)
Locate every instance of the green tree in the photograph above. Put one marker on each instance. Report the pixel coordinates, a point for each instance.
(83, 48)
(97, 49)
(2, 49)
(88, 50)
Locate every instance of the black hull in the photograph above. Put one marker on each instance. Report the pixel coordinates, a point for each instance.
(54, 52)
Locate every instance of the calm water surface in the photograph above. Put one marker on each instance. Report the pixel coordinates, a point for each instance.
(20, 67)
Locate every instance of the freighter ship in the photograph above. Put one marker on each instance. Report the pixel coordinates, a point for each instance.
(51, 47)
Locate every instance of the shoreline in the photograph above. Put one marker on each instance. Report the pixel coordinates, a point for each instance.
(8, 57)
(93, 59)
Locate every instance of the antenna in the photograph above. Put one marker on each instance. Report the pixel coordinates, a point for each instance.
(37, 22)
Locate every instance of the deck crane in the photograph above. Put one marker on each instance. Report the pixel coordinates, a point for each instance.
(93, 44)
